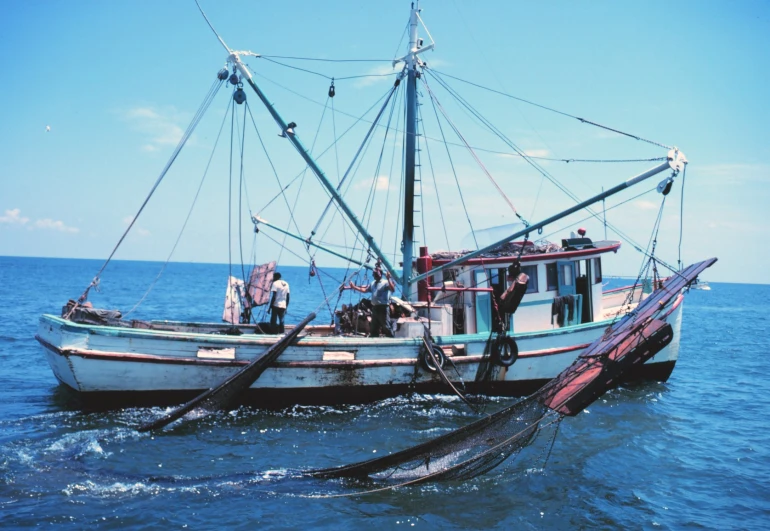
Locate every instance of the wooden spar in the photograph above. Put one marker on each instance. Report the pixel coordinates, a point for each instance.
(228, 390)
(330, 188)
(675, 162)
(634, 340)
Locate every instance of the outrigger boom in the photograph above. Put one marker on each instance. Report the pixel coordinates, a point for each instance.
(675, 161)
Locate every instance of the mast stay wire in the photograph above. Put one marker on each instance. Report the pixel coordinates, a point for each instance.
(361, 147)
(326, 150)
(325, 76)
(208, 98)
(435, 184)
(476, 148)
(681, 220)
(392, 165)
(582, 120)
(659, 260)
(472, 152)
(537, 166)
(454, 173)
(369, 207)
(189, 214)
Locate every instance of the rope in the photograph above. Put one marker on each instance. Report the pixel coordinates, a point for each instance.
(454, 173)
(582, 120)
(185, 137)
(325, 76)
(187, 219)
(327, 60)
(681, 220)
(435, 186)
(472, 152)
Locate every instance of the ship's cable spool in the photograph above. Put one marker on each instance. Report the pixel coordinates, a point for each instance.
(427, 361)
(505, 351)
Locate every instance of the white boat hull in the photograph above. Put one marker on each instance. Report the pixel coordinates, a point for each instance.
(126, 362)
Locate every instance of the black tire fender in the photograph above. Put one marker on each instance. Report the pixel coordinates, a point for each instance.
(427, 362)
(505, 351)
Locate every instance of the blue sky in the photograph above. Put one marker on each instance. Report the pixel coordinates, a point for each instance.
(118, 82)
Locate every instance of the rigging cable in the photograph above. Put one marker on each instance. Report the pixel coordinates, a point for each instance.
(327, 60)
(535, 165)
(481, 149)
(185, 137)
(681, 220)
(472, 152)
(338, 78)
(187, 219)
(358, 153)
(582, 120)
(454, 172)
(240, 199)
(435, 187)
(392, 164)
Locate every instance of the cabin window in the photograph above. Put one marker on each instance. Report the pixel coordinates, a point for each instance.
(552, 277)
(449, 275)
(597, 270)
(531, 272)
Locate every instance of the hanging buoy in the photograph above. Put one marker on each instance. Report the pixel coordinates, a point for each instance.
(222, 75)
(239, 96)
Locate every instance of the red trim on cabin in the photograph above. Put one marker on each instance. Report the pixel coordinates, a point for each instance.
(562, 255)
(439, 288)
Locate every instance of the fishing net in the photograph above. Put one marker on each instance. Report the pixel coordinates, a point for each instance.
(484, 444)
(462, 454)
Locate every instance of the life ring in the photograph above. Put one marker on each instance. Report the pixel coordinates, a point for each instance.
(427, 362)
(505, 351)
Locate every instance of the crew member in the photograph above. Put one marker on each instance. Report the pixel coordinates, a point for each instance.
(380, 288)
(278, 303)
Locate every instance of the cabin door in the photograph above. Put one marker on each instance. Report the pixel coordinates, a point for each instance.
(566, 271)
(483, 302)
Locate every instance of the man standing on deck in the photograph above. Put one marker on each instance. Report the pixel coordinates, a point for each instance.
(380, 289)
(279, 303)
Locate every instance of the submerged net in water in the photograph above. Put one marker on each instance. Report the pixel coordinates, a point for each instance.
(484, 444)
(462, 454)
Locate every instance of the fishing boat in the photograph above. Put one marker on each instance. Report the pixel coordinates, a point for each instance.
(501, 318)
(701, 285)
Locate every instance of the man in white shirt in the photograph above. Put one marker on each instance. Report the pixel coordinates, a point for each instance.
(279, 303)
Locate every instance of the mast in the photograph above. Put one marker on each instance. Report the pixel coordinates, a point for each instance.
(407, 241)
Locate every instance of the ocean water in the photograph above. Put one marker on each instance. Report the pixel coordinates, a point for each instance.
(691, 453)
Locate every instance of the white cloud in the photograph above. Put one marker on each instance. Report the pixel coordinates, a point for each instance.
(734, 173)
(160, 127)
(646, 205)
(49, 224)
(382, 182)
(136, 229)
(537, 153)
(13, 217)
(378, 75)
